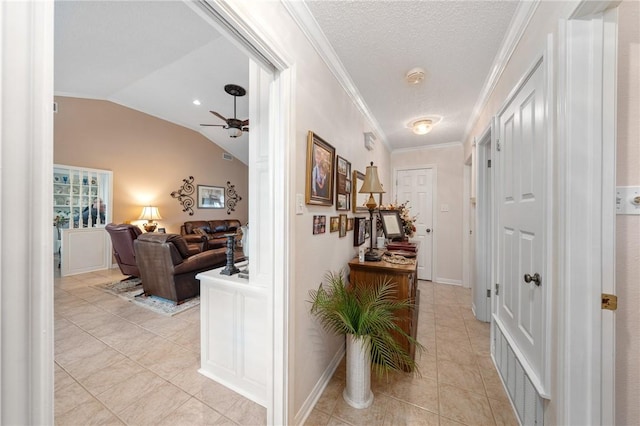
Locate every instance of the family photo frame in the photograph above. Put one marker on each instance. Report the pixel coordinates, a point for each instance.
(320, 171)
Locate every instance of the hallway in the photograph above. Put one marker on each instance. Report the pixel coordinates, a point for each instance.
(118, 363)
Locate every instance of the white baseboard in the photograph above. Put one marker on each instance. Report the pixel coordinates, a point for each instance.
(441, 280)
(316, 393)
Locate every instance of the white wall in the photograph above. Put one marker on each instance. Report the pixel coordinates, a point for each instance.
(321, 105)
(448, 235)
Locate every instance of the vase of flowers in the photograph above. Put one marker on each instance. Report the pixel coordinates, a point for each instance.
(408, 221)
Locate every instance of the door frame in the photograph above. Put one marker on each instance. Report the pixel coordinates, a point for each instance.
(482, 306)
(586, 243)
(434, 203)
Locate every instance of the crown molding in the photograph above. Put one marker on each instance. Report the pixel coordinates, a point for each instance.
(309, 26)
(423, 147)
(518, 25)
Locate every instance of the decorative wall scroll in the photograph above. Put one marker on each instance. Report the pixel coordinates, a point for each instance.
(184, 195)
(232, 198)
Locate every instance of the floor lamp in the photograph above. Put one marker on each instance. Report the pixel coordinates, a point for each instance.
(372, 186)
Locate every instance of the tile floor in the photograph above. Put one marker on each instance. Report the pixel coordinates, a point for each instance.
(117, 363)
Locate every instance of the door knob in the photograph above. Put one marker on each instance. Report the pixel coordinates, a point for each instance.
(428, 230)
(535, 278)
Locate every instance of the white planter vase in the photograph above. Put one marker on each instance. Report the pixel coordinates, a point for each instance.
(358, 391)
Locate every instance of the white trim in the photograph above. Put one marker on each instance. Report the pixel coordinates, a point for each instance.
(309, 26)
(433, 146)
(466, 224)
(517, 27)
(26, 178)
(434, 203)
(586, 242)
(318, 389)
(483, 227)
(448, 281)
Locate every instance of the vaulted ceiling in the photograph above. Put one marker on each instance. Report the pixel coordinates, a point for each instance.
(158, 57)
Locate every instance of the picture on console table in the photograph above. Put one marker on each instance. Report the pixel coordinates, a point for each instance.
(360, 231)
(210, 197)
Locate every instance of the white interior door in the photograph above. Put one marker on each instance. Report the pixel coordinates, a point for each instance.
(416, 187)
(520, 310)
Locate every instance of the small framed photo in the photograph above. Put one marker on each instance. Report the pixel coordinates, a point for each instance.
(320, 171)
(350, 224)
(334, 224)
(360, 231)
(210, 197)
(343, 225)
(319, 224)
(391, 223)
(341, 203)
(162, 230)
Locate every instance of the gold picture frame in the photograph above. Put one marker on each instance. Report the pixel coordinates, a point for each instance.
(320, 171)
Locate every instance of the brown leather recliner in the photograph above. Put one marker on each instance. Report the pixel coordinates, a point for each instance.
(169, 267)
(122, 238)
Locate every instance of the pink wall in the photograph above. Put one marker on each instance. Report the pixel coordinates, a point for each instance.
(628, 227)
(149, 158)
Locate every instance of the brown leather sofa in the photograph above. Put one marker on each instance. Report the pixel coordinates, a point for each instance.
(168, 266)
(209, 234)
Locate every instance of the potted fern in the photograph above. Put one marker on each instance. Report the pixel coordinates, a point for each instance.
(365, 313)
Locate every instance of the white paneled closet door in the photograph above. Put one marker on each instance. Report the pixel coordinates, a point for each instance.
(521, 313)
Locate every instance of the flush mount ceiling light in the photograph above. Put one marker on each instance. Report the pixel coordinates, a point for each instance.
(415, 75)
(422, 126)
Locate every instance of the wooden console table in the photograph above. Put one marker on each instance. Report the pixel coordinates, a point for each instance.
(406, 279)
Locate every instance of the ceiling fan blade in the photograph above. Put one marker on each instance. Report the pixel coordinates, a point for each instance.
(214, 125)
(218, 115)
(245, 129)
(245, 122)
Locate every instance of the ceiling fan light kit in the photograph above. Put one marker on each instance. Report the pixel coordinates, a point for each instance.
(235, 126)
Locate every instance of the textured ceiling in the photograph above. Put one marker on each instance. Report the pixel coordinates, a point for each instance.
(155, 57)
(455, 42)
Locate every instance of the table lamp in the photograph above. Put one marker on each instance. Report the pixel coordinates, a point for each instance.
(372, 186)
(150, 214)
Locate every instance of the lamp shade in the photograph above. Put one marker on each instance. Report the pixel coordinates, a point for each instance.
(371, 181)
(150, 213)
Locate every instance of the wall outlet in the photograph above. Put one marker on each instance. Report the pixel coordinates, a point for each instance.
(444, 208)
(628, 200)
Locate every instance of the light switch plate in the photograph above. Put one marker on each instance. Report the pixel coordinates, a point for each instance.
(628, 200)
(299, 204)
(444, 208)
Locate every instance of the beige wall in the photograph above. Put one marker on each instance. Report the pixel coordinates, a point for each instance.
(149, 158)
(450, 171)
(627, 226)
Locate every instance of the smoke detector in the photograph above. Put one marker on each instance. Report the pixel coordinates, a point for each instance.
(415, 75)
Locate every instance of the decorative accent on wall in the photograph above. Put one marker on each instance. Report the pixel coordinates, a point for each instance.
(232, 198)
(184, 195)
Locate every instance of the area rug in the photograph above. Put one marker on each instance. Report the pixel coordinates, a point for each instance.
(131, 290)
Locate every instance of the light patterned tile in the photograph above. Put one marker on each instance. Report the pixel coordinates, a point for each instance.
(329, 398)
(461, 376)
(372, 416)
(246, 412)
(464, 406)
(317, 418)
(118, 397)
(503, 413)
(69, 397)
(158, 403)
(218, 397)
(88, 413)
(101, 380)
(89, 365)
(191, 413)
(401, 413)
(422, 392)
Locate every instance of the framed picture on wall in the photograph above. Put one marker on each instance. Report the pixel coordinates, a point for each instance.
(319, 224)
(343, 225)
(360, 229)
(343, 184)
(210, 197)
(334, 224)
(319, 180)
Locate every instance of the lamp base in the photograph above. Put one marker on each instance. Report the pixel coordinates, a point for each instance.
(372, 256)
(149, 227)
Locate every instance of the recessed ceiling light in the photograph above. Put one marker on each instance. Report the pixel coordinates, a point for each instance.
(415, 75)
(196, 102)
